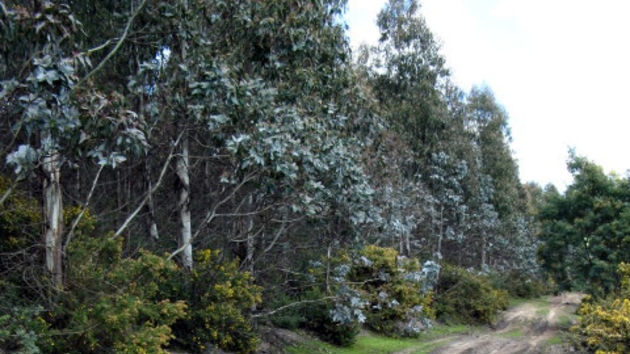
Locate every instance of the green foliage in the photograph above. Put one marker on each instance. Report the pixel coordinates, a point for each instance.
(320, 319)
(604, 325)
(520, 285)
(292, 317)
(392, 287)
(376, 287)
(219, 297)
(584, 231)
(20, 329)
(20, 217)
(466, 297)
(112, 303)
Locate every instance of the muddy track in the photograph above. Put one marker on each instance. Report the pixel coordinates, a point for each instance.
(526, 328)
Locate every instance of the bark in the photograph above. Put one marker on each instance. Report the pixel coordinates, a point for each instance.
(484, 252)
(250, 241)
(438, 251)
(183, 172)
(152, 224)
(53, 216)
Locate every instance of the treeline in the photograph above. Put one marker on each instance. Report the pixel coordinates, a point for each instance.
(177, 171)
(585, 246)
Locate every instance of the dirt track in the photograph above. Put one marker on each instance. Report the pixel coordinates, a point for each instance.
(526, 328)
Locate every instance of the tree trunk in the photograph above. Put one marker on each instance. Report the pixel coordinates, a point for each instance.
(484, 252)
(438, 251)
(183, 172)
(152, 224)
(250, 241)
(53, 216)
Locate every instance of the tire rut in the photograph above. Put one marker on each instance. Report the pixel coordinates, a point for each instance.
(526, 328)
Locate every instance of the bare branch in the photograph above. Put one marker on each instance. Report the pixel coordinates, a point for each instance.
(157, 185)
(9, 190)
(294, 304)
(212, 214)
(85, 206)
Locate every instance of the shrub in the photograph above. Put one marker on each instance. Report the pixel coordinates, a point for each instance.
(20, 218)
(604, 325)
(321, 319)
(376, 287)
(111, 303)
(465, 297)
(393, 288)
(291, 317)
(520, 285)
(20, 329)
(219, 297)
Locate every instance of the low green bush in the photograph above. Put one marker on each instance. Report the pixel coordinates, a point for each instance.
(466, 297)
(321, 321)
(520, 285)
(291, 317)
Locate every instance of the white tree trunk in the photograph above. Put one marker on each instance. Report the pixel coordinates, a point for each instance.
(53, 216)
(183, 172)
(438, 250)
(153, 229)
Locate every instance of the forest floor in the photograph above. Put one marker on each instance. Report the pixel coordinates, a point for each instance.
(534, 326)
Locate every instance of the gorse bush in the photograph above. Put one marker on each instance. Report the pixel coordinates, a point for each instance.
(219, 297)
(465, 297)
(393, 289)
(376, 287)
(112, 303)
(604, 326)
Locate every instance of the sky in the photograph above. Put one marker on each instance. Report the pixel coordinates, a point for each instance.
(560, 68)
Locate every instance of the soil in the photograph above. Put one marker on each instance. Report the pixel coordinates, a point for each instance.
(526, 328)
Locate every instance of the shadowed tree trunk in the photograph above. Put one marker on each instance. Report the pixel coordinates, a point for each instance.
(183, 172)
(53, 216)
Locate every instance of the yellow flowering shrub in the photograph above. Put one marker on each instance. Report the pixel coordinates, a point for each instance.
(220, 297)
(113, 303)
(392, 286)
(605, 326)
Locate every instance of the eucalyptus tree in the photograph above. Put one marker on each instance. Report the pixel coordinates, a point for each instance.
(509, 240)
(407, 73)
(274, 125)
(56, 121)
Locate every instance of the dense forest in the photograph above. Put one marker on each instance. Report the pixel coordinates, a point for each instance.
(181, 174)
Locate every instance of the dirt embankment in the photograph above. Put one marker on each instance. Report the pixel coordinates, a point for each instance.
(526, 328)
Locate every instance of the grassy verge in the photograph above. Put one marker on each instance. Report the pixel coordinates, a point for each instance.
(374, 344)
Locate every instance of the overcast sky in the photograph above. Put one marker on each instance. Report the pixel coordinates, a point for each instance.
(560, 68)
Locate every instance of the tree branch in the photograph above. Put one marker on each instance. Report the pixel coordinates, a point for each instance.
(157, 185)
(85, 205)
(294, 304)
(111, 53)
(212, 214)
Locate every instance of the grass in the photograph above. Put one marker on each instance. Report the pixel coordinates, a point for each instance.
(555, 340)
(565, 321)
(515, 333)
(375, 344)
